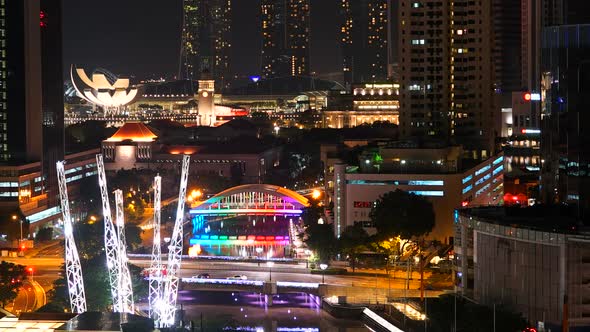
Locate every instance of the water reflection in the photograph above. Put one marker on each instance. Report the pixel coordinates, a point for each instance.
(227, 311)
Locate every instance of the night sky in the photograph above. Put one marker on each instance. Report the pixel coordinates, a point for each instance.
(142, 37)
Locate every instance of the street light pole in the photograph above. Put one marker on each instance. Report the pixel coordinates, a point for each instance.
(323, 267)
(269, 264)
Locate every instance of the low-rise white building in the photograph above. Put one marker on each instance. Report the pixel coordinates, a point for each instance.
(436, 173)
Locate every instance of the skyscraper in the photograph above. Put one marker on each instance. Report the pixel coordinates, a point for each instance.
(565, 138)
(365, 37)
(446, 73)
(206, 40)
(285, 38)
(31, 101)
(52, 102)
(20, 82)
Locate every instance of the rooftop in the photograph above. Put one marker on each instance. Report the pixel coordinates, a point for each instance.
(135, 131)
(553, 218)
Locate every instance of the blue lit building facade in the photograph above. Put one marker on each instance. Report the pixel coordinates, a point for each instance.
(565, 117)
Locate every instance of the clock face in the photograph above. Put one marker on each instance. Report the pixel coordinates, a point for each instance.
(205, 94)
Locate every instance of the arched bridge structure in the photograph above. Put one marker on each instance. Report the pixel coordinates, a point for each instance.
(258, 220)
(253, 199)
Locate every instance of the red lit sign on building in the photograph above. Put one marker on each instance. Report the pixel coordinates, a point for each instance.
(363, 205)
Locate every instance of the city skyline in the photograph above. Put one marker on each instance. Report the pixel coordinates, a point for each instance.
(143, 38)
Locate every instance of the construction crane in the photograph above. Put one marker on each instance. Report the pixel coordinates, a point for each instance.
(155, 290)
(175, 252)
(73, 267)
(125, 286)
(111, 242)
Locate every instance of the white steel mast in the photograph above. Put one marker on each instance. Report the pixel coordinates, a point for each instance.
(155, 291)
(111, 243)
(124, 277)
(175, 251)
(73, 267)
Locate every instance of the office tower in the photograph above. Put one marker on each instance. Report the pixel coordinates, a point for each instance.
(206, 40)
(52, 103)
(365, 38)
(285, 38)
(565, 117)
(31, 106)
(446, 70)
(20, 82)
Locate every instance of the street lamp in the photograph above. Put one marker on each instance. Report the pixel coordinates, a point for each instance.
(14, 217)
(270, 264)
(316, 194)
(323, 267)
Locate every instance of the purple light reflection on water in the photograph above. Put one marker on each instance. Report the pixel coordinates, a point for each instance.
(293, 300)
(235, 311)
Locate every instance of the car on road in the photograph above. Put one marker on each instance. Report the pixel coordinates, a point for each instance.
(203, 276)
(238, 277)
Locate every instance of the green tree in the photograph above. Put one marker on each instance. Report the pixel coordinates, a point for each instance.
(92, 233)
(311, 214)
(133, 236)
(44, 234)
(399, 213)
(96, 285)
(353, 241)
(11, 279)
(320, 239)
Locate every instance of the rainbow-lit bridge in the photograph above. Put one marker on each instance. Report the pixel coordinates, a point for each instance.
(254, 220)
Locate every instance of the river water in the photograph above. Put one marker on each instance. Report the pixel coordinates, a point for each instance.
(227, 311)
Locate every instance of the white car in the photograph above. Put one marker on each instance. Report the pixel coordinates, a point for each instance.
(238, 277)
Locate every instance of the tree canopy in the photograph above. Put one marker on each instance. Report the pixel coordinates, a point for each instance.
(399, 213)
(353, 241)
(11, 279)
(94, 269)
(320, 238)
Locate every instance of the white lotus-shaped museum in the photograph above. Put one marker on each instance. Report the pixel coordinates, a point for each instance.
(100, 92)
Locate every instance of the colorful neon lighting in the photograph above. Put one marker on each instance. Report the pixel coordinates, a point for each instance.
(250, 242)
(246, 211)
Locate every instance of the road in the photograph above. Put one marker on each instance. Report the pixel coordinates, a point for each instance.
(285, 272)
(45, 271)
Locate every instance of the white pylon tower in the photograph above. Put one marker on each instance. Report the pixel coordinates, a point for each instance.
(175, 252)
(111, 243)
(125, 286)
(73, 267)
(155, 291)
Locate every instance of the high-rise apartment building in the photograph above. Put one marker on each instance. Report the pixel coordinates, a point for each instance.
(285, 28)
(206, 40)
(365, 39)
(446, 73)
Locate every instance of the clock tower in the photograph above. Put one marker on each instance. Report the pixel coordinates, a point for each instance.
(206, 101)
